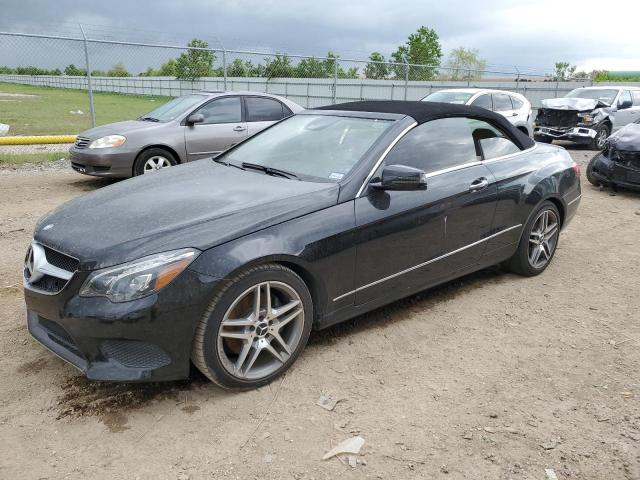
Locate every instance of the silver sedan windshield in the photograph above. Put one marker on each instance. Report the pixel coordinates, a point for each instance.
(324, 147)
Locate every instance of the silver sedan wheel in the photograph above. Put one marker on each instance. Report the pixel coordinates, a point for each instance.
(155, 163)
(543, 239)
(260, 330)
(601, 138)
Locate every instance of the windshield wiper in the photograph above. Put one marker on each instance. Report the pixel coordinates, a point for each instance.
(149, 119)
(226, 164)
(270, 170)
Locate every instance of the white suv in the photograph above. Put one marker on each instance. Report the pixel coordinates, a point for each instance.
(515, 107)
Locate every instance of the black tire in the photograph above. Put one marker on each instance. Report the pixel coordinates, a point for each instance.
(144, 157)
(590, 177)
(602, 133)
(520, 263)
(205, 353)
(543, 139)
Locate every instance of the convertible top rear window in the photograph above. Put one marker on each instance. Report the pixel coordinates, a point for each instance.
(322, 147)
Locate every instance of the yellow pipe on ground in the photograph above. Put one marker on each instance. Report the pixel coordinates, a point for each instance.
(37, 139)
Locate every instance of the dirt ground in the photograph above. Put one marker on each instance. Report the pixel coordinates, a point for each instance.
(492, 376)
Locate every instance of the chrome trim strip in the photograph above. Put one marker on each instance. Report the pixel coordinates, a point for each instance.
(424, 264)
(384, 154)
(453, 169)
(574, 200)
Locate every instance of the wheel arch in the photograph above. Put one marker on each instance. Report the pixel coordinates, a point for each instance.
(169, 149)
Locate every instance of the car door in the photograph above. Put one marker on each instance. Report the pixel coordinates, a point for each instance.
(625, 112)
(409, 240)
(502, 105)
(260, 112)
(221, 128)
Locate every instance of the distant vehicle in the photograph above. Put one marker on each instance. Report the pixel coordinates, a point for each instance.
(190, 127)
(619, 163)
(515, 107)
(323, 217)
(587, 115)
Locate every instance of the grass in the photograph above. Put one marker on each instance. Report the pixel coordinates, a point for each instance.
(20, 158)
(47, 112)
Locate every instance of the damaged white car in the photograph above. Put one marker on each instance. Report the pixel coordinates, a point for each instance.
(587, 115)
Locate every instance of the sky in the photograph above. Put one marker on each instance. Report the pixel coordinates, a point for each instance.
(528, 34)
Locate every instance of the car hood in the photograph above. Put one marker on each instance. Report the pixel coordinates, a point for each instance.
(200, 205)
(627, 138)
(119, 128)
(573, 103)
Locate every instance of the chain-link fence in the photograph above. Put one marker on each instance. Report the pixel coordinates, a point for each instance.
(144, 74)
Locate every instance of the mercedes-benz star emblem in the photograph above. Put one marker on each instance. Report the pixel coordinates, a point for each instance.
(31, 273)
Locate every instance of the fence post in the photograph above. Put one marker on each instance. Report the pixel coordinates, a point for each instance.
(224, 67)
(335, 79)
(406, 79)
(89, 85)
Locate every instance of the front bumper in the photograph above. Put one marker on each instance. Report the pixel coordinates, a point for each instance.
(574, 134)
(610, 172)
(148, 339)
(103, 162)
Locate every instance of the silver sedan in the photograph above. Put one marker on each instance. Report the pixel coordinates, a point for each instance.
(189, 127)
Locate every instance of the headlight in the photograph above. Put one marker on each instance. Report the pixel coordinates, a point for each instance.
(138, 278)
(586, 118)
(108, 141)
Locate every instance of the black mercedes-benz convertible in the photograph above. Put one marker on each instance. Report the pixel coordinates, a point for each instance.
(229, 263)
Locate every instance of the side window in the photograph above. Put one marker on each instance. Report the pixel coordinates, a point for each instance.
(625, 96)
(517, 103)
(260, 109)
(489, 141)
(501, 102)
(483, 101)
(636, 98)
(222, 110)
(435, 145)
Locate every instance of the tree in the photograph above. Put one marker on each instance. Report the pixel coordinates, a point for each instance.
(311, 68)
(465, 64)
(118, 70)
(196, 62)
(376, 71)
(422, 48)
(280, 66)
(564, 71)
(73, 71)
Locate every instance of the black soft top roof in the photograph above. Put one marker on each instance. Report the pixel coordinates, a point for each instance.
(424, 111)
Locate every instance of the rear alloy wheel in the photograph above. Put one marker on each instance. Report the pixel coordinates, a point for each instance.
(538, 242)
(152, 160)
(255, 328)
(600, 140)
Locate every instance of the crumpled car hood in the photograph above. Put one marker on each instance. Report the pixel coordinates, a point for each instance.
(579, 104)
(627, 138)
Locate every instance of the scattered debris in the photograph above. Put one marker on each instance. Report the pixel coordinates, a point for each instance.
(4, 129)
(350, 445)
(550, 445)
(468, 436)
(327, 402)
(353, 463)
(626, 394)
(76, 112)
(551, 475)
(489, 429)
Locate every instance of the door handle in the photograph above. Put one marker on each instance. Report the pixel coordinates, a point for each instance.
(479, 184)
(239, 128)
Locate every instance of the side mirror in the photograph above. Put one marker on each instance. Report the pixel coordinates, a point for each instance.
(401, 177)
(624, 104)
(195, 118)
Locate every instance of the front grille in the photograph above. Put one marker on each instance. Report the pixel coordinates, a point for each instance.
(59, 335)
(548, 117)
(135, 354)
(82, 142)
(60, 260)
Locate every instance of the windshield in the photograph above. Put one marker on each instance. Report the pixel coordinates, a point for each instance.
(448, 97)
(322, 147)
(607, 96)
(173, 108)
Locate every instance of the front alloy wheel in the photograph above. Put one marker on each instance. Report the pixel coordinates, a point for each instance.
(255, 328)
